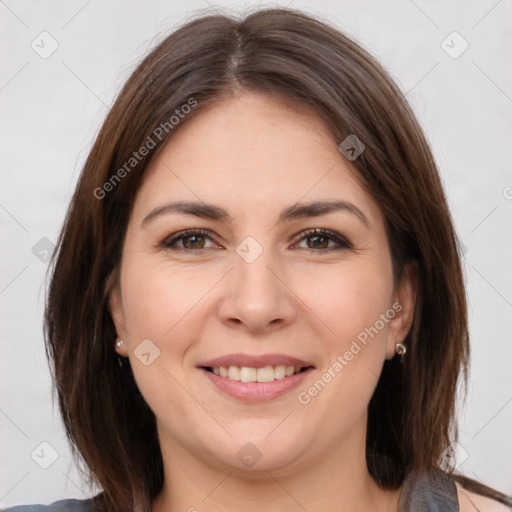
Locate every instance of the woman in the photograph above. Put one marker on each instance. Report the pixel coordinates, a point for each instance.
(260, 238)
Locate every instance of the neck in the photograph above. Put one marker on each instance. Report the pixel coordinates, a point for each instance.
(338, 481)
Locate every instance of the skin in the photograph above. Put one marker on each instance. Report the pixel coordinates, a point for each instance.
(297, 298)
(472, 502)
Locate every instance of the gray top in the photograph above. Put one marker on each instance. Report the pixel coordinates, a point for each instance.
(69, 505)
(434, 492)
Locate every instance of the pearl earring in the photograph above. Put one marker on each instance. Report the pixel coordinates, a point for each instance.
(401, 349)
(119, 344)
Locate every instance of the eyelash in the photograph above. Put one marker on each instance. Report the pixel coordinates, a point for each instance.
(310, 233)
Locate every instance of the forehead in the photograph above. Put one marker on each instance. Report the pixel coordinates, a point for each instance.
(252, 153)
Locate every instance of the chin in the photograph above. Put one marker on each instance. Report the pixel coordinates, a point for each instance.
(253, 454)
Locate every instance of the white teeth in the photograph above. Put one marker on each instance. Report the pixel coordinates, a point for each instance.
(265, 374)
(234, 373)
(247, 374)
(280, 371)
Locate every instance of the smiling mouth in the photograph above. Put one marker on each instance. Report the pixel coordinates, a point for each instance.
(248, 374)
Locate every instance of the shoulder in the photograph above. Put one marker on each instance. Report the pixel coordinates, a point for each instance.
(472, 502)
(67, 505)
(435, 490)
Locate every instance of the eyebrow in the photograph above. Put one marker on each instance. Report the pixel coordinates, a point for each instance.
(294, 212)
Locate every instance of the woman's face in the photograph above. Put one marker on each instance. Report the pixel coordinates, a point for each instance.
(254, 289)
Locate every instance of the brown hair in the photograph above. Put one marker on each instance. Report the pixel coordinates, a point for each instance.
(287, 53)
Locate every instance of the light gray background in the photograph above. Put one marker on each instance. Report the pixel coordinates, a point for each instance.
(53, 107)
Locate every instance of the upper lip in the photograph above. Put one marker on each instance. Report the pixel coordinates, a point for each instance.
(254, 361)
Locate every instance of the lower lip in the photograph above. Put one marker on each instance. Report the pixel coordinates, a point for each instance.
(257, 391)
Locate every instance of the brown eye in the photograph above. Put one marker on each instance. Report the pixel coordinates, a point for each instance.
(194, 241)
(318, 240)
(189, 240)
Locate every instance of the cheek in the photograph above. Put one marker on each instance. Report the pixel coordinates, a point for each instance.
(351, 299)
(352, 307)
(158, 305)
(158, 299)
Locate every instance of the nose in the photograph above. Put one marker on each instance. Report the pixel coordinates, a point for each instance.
(257, 297)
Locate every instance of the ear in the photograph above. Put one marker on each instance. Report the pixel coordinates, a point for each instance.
(404, 301)
(115, 306)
